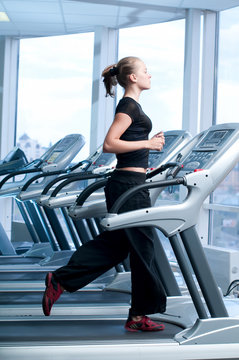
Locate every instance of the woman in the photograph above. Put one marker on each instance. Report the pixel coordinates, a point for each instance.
(128, 139)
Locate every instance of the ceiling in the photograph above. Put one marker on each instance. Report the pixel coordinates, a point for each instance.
(58, 17)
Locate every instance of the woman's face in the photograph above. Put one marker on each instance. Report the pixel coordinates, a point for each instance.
(143, 78)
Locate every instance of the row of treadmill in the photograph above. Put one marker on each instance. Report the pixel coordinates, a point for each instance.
(63, 206)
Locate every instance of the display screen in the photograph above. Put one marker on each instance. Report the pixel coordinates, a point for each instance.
(65, 143)
(53, 157)
(215, 138)
(168, 141)
(154, 159)
(104, 159)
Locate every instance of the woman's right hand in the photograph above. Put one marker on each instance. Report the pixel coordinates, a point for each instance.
(157, 141)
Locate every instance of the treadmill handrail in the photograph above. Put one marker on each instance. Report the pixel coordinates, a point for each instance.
(54, 181)
(30, 181)
(65, 176)
(57, 172)
(37, 163)
(150, 185)
(99, 184)
(74, 167)
(78, 177)
(162, 168)
(15, 173)
(89, 190)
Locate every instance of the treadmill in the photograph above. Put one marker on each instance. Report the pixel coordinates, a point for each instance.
(51, 164)
(15, 159)
(213, 336)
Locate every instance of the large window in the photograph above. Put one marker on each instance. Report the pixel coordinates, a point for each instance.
(54, 91)
(228, 74)
(225, 199)
(161, 47)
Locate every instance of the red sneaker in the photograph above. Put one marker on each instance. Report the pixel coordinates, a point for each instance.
(145, 324)
(52, 293)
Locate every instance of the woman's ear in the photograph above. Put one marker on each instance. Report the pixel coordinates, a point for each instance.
(133, 78)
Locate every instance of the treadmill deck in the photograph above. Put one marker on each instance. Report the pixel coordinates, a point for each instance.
(53, 331)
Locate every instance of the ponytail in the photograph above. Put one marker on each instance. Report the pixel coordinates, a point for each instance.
(109, 79)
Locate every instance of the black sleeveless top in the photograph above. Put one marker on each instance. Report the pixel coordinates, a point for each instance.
(138, 130)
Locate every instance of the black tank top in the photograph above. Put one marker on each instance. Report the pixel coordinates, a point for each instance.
(138, 130)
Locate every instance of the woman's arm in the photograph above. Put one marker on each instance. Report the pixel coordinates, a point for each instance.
(113, 144)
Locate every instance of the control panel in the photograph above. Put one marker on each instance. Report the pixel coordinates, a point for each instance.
(105, 159)
(208, 149)
(13, 161)
(173, 139)
(68, 146)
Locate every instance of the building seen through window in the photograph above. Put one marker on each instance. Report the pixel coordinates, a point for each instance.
(32, 148)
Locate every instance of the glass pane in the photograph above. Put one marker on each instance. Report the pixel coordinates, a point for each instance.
(227, 193)
(225, 229)
(54, 91)
(225, 224)
(163, 55)
(228, 75)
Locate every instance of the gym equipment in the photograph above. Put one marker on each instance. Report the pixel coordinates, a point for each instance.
(52, 163)
(15, 159)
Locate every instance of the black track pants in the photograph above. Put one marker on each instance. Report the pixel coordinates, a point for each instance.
(112, 247)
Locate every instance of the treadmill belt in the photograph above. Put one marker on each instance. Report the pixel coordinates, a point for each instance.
(19, 260)
(79, 297)
(62, 331)
(23, 275)
(37, 274)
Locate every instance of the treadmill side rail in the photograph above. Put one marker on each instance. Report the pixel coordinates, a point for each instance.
(210, 331)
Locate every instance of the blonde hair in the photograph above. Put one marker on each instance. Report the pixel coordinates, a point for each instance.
(118, 74)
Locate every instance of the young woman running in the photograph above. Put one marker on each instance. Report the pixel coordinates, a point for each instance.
(128, 139)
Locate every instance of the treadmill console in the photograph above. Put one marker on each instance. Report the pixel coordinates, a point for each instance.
(15, 154)
(172, 139)
(53, 157)
(65, 143)
(13, 161)
(154, 159)
(105, 159)
(63, 151)
(206, 150)
(62, 146)
(215, 139)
